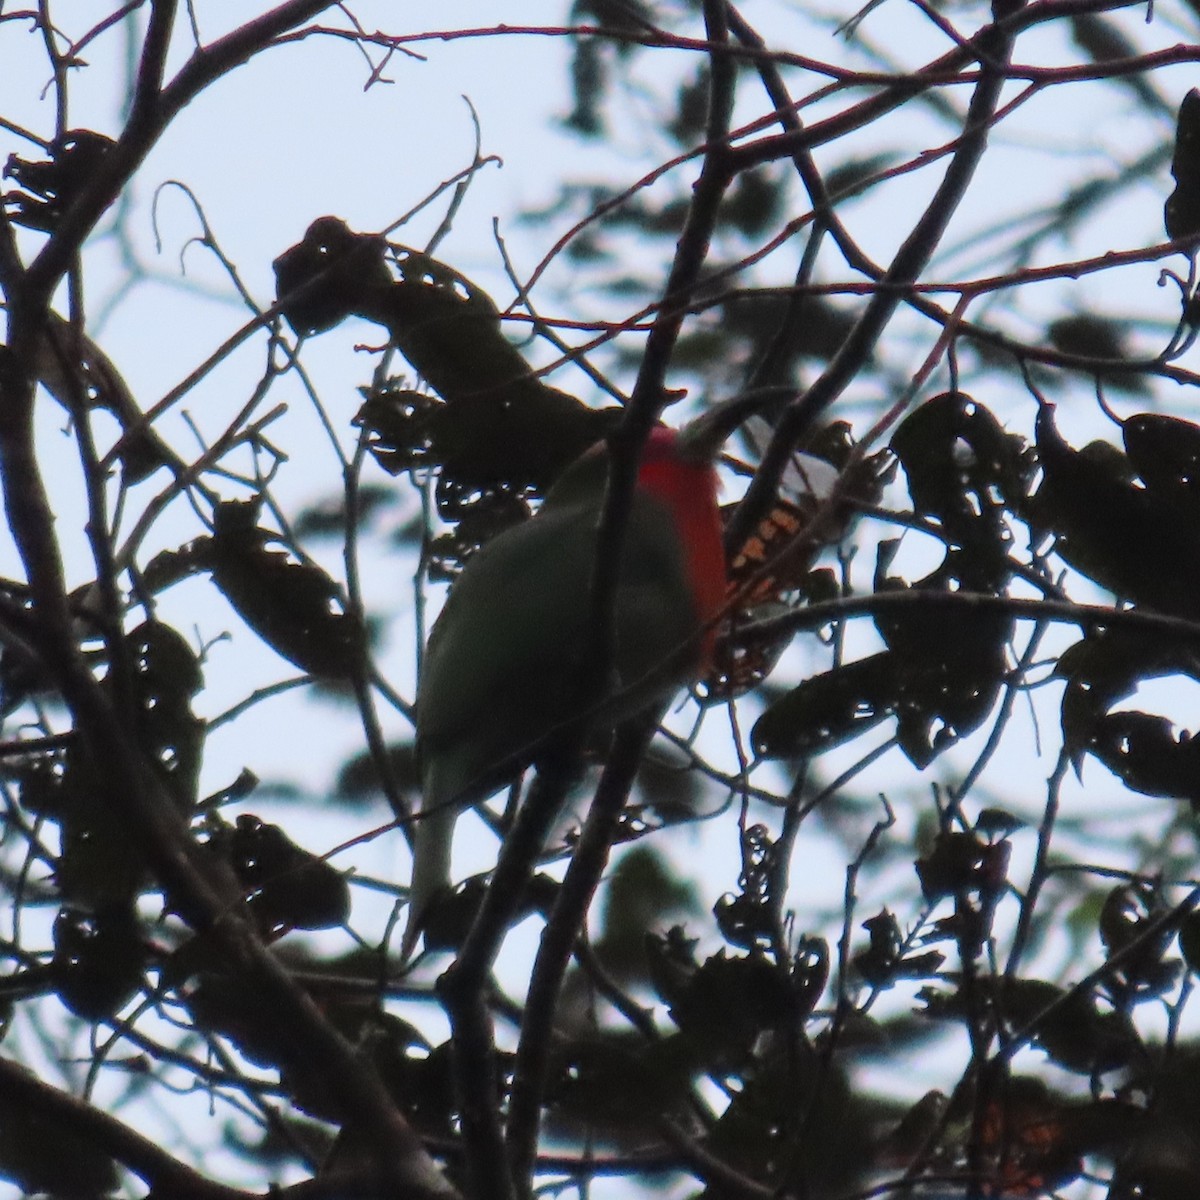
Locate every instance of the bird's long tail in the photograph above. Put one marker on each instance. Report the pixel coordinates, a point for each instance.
(431, 867)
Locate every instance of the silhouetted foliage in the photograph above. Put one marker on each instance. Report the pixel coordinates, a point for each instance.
(900, 898)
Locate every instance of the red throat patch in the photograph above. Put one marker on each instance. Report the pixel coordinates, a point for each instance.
(689, 490)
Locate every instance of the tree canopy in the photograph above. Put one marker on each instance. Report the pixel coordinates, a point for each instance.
(899, 899)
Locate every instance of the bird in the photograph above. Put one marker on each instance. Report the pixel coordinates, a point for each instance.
(502, 668)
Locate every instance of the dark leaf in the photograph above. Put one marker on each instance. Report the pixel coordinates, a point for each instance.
(397, 421)
(671, 792)
(642, 893)
(449, 330)
(1088, 336)
(610, 1084)
(589, 82)
(1144, 751)
(1164, 1165)
(881, 964)
(219, 1004)
(813, 328)
(1189, 941)
(851, 177)
(293, 606)
(50, 186)
(328, 276)
(878, 962)
(947, 684)
(1165, 452)
(757, 1132)
(754, 202)
(358, 780)
(809, 973)
(691, 107)
(910, 1137)
(99, 866)
(616, 16)
(475, 524)
(748, 918)
(1075, 1033)
(938, 680)
(286, 886)
(169, 567)
(496, 428)
(962, 469)
(1161, 1160)
(166, 676)
(1132, 914)
(959, 862)
(98, 960)
(728, 1002)
(996, 823)
(1100, 39)
(672, 962)
(449, 918)
(1124, 537)
(1181, 214)
(1104, 668)
(46, 791)
(329, 520)
(828, 709)
(1102, 340)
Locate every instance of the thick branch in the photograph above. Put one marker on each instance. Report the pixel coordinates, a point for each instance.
(927, 601)
(647, 399)
(464, 986)
(145, 1158)
(206, 895)
(560, 936)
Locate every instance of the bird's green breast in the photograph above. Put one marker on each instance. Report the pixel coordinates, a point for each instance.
(502, 668)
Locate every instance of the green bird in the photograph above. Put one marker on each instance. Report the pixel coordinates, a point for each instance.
(502, 667)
